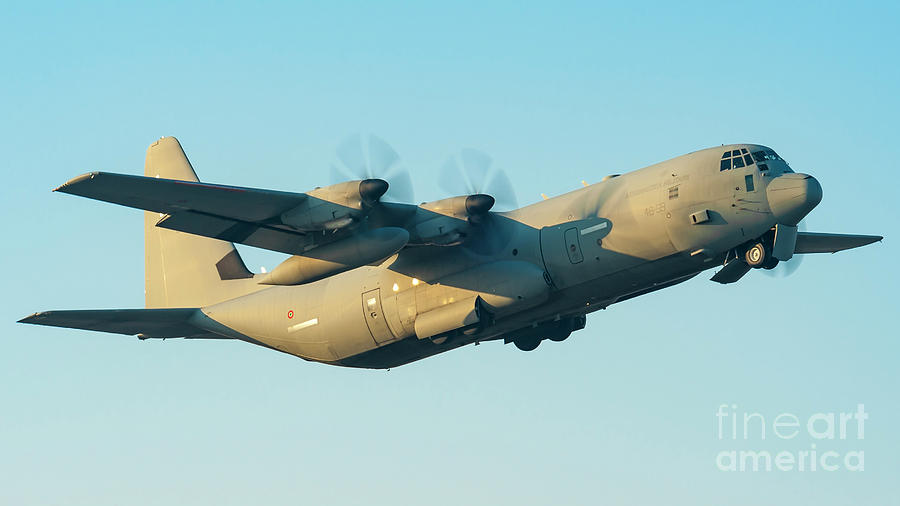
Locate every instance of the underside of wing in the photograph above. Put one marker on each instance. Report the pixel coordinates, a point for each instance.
(814, 242)
(144, 323)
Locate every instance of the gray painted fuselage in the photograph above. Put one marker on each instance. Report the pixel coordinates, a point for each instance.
(592, 247)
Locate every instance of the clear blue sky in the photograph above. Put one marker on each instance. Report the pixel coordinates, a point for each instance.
(260, 94)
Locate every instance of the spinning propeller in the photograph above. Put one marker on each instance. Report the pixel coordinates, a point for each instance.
(470, 172)
(373, 160)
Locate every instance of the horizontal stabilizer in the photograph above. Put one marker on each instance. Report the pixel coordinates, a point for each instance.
(144, 323)
(813, 242)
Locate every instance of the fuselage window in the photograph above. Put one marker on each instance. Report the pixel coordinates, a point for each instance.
(748, 180)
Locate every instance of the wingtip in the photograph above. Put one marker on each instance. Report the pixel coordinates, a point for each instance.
(76, 180)
(873, 239)
(32, 318)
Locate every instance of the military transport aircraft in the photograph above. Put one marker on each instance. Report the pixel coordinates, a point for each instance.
(377, 283)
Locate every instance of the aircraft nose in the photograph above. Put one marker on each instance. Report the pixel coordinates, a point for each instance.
(792, 196)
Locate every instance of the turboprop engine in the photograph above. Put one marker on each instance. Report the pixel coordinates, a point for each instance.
(336, 206)
(446, 221)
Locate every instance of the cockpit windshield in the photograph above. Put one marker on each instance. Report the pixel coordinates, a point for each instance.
(738, 158)
(735, 159)
(766, 154)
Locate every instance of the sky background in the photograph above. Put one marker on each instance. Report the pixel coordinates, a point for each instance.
(623, 412)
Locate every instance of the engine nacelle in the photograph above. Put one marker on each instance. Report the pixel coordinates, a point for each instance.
(445, 222)
(360, 249)
(336, 206)
(461, 207)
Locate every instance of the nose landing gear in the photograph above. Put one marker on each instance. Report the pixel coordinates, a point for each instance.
(756, 255)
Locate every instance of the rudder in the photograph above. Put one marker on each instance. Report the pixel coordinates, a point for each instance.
(184, 270)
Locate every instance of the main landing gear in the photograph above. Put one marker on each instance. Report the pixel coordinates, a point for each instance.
(529, 338)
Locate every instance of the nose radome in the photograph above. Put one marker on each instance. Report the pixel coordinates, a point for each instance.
(792, 196)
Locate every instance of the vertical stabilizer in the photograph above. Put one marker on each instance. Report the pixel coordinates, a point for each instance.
(184, 270)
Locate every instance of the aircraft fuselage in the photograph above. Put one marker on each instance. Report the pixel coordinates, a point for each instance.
(552, 261)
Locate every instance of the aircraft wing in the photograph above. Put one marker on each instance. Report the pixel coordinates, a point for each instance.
(814, 242)
(169, 196)
(144, 323)
(248, 216)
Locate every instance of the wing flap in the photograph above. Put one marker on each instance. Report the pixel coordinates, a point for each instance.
(144, 323)
(252, 234)
(815, 242)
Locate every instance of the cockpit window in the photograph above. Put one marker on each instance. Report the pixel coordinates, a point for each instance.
(767, 154)
(735, 159)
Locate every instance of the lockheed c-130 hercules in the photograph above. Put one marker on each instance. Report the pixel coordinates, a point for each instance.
(373, 282)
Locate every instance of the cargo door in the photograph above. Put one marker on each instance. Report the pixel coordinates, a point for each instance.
(374, 315)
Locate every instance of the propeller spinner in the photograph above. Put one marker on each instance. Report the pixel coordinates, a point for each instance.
(374, 161)
(470, 172)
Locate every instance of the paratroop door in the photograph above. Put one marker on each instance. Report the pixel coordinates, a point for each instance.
(573, 246)
(371, 302)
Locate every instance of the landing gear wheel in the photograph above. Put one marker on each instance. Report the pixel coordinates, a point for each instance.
(559, 336)
(770, 263)
(527, 344)
(756, 255)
